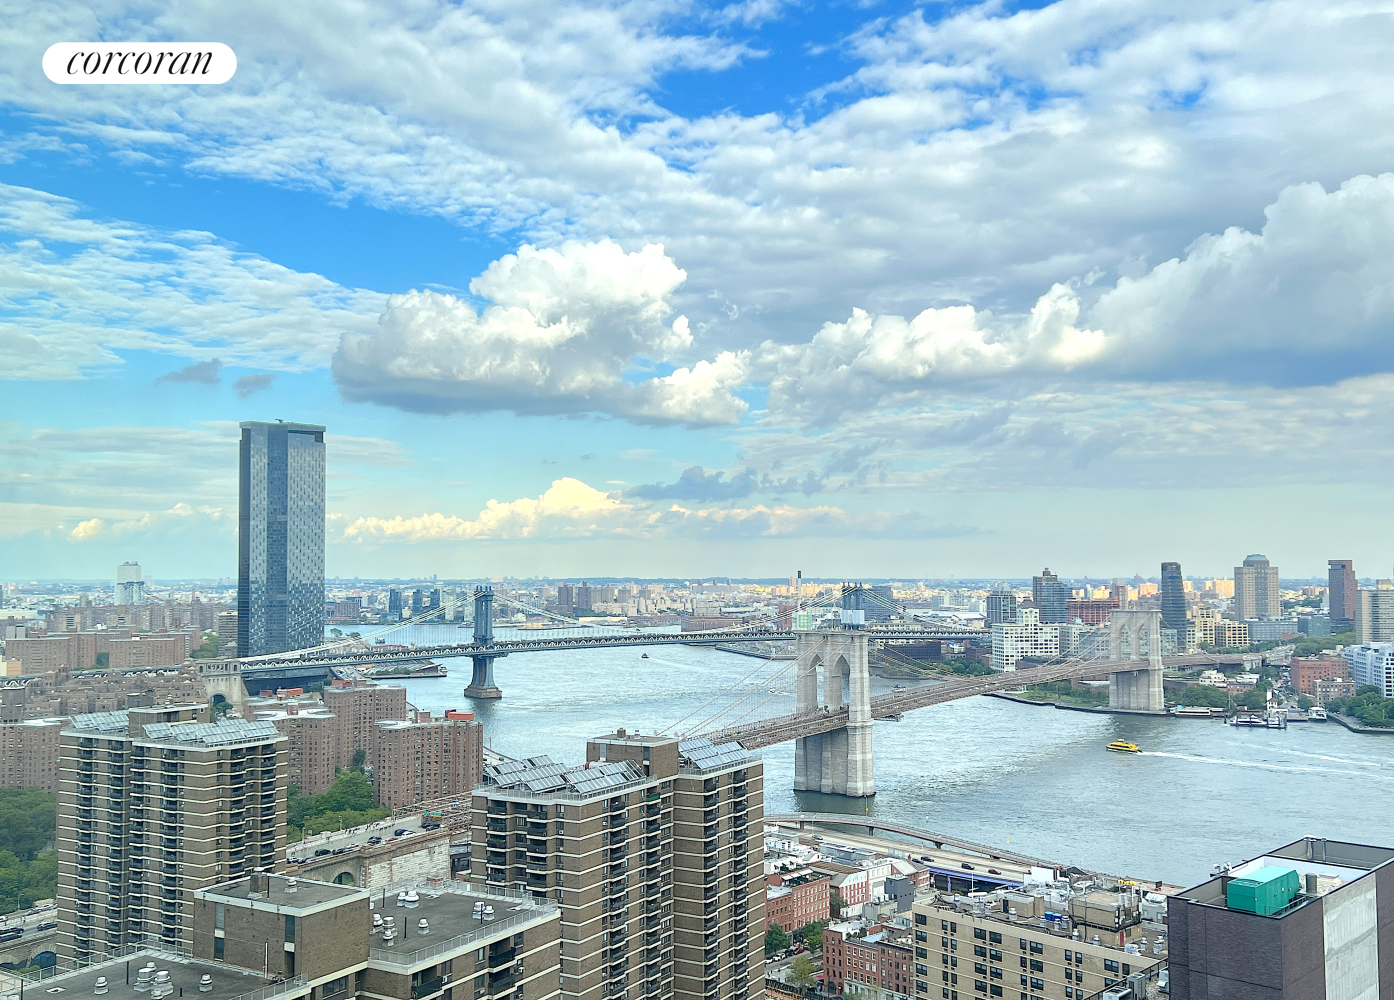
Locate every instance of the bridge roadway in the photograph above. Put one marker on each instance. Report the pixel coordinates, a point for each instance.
(780, 729)
(273, 664)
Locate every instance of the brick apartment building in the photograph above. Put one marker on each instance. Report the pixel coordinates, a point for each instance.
(312, 736)
(29, 754)
(879, 961)
(796, 899)
(425, 758)
(360, 706)
(1307, 670)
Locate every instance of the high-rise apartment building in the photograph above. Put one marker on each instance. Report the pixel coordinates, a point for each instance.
(29, 754)
(1051, 597)
(360, 706)
(1173, 594)
(654, 852)
(427, 758)
(312, 745)
(130, 585)
(1001, 605)
(1341, 593)
(1303, 921)
(153, 804)
(1374, 613)
(280, 538)
(1256, 592)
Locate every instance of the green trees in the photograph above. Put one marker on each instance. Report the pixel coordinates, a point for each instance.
(348, 803)
(1205, 696)
(1368, 706)
(836, 902)
(28, 818)
(1304, 703)
(775, 939)
(801, 972)
(209, 649)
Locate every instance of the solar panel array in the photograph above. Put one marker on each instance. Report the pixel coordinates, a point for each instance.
(210, 733)
(542, 774)
(102, 722)
(703, 753)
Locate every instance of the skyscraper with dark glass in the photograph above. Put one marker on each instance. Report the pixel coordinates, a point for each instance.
(1173, 592)
(280, 538)
(1343, 592)
(1051, 597)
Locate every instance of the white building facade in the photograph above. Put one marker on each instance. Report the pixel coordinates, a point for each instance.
(1026, 637)
(1372, 663)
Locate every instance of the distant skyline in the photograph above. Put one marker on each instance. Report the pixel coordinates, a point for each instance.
(878, 290)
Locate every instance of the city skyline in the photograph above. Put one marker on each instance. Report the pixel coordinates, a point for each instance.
(711, 288)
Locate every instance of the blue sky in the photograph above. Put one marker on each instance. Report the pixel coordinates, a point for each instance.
(665, 288)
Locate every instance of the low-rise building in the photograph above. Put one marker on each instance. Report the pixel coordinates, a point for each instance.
(1305, 671)
(433, 941)
(796, 899)
(882, 961)
(1228, 634)
(1329, 688)
(1304, 920)
(1051, 943)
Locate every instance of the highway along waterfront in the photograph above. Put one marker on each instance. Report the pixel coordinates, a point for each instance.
(1034, 779)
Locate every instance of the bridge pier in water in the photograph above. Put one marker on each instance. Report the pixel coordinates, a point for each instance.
(839, 762)
(1137, 690)
(481, 683)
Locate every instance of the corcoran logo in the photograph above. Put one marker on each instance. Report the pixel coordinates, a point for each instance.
(139, 62)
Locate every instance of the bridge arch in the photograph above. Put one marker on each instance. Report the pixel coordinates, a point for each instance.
(345, 878)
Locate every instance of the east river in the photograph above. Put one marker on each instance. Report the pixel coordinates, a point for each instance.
(1035, 779)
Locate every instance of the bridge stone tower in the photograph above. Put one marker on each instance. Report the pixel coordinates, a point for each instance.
(1136, 635)
(482, 684)
(839, 762)
(223, 679)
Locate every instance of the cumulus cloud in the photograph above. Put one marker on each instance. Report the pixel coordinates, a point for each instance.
(564, 327)
(571, 509)
(90, 528)
(250, 385)
(698, 484)
(201, 371)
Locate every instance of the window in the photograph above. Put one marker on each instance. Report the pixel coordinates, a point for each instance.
(980, 934)
(996, 973)
(1067, 951)
(1069, 993)
(290, 929)
(219, 913)
(996, 990)
(944, 959)
(218, 945)
(944, 925)
(921, 919)
(995, 938)
(993, 955)
(1037, 984)
(1023, 961)
(943, 942)
(1037, 948)
(921, 970)
(1037, 966)
(1110, 965)
(979, 968)
(945, 975)
(921, 936)
(980, 986)
(953, 927)
(979, 951)
(1023, 944)
(1127, 968)
(334, 988)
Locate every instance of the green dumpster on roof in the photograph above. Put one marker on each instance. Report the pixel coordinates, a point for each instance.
(1264, 891)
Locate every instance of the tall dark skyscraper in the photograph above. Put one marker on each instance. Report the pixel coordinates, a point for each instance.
(1173, 598)
(280, 538)
(1050, 597)
(1340, 579)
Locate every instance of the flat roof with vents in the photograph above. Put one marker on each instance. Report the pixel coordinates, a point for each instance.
(542, 775)
(702, 753)
(228, 982)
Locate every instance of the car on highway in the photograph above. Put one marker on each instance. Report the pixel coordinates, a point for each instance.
(967, 867)
(322, 852)
(993, 871)
(10, 933)
(47, 925)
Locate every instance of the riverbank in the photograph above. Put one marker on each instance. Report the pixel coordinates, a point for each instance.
(1356, 726)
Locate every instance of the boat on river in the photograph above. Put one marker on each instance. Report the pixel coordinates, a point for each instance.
(1123, 746)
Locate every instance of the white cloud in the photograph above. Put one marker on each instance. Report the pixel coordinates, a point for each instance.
(563, 328)
(571, 509)
(73, 291)
(90, 528)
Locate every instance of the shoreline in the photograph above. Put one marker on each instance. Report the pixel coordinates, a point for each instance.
(1092, 709)
(1356, 726)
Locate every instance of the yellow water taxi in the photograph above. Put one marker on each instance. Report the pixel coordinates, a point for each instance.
(1123, 746)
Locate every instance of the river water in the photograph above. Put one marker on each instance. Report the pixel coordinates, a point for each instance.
(1035, 779)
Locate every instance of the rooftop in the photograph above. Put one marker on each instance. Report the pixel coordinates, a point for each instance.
(228, 983)
(1334, 862)
(542, 775)
(283, 892)
(210, 734)
(453, 922)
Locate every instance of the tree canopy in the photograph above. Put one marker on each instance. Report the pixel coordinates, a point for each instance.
(28, 818)
(348, 803)
(775, 939)
(801, 971)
